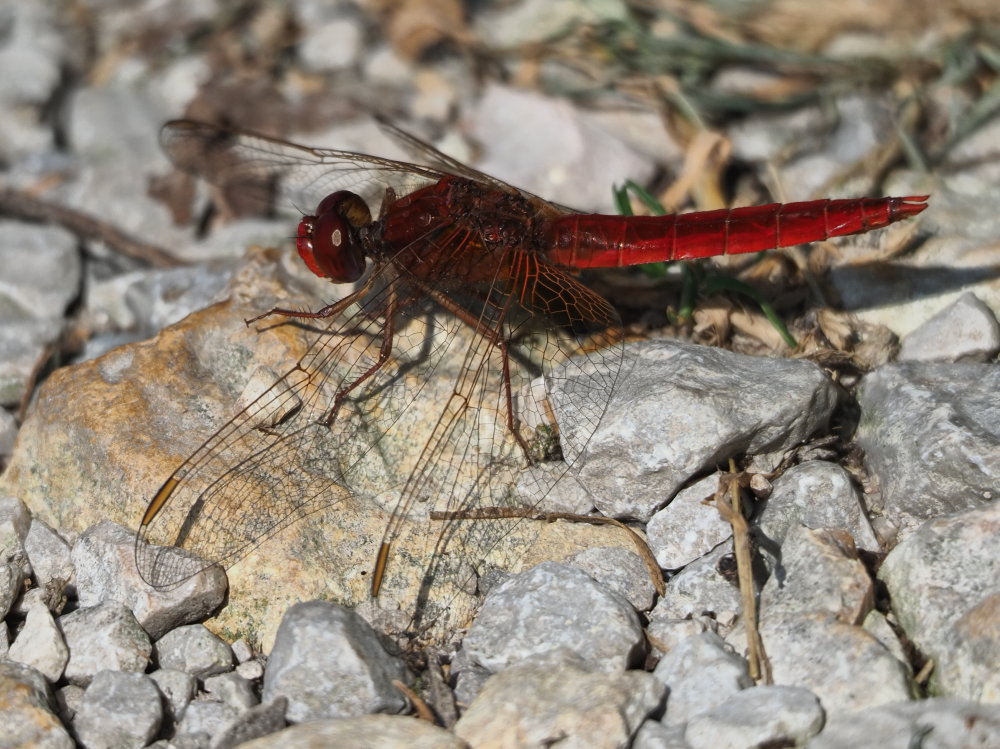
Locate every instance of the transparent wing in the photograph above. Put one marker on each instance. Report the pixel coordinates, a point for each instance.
(301, 175)
(261, 166)
(426, 154)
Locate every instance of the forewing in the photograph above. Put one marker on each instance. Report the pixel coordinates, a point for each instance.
(301, 176)
(424, 153)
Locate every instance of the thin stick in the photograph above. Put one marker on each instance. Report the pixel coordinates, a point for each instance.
(421, 708)
(24, 205)
(500, 513)
(729, 509)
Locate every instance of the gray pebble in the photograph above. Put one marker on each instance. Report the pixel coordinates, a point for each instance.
(362, 732)
(106, 636)
(819, 572)
(555, 696)
(654, 735)
(666, 634)
(942, 723)
(232, 689)
(14, 524)
(700, 589)
(177, 687)
(251, 670)
(32, 598)
(40, 644)
(11, 580)
(687, 528)
(760, 716)
(48, 554)
(260, 720)
(104, 559)
(702, 672)
(242, 650)
(469, 678)
(623, 571)
(203, 720)
(119, 709)
(842, 664)
(8, 432)
(551, 607)
(329, 662)
(27, 710)
(192, 648)
(41, 276)
(943, 583)
(673, 417)
(965, 330)
(931, 437)
(817, 494)
(68, 700)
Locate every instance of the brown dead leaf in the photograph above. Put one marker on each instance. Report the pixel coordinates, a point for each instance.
(836, 328)
(878, 345)
(414, 26)
(809, 26)
(840, 340)
(707, 156)
(776, 270)
(755, 325)
(712, 322)
(176, 191)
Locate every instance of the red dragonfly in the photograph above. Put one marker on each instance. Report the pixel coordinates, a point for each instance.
(445, 259)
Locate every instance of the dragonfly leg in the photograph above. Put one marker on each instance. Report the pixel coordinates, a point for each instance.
(385, 351)
(513, 423)
(330, 310)
(495, 338)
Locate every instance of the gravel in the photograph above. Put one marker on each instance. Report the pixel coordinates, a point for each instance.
(875, 565)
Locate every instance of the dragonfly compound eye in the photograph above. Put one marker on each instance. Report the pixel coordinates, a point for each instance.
(348, 205)
(329, 242)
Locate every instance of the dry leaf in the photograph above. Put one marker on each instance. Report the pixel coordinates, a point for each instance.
(755, 325)
(414, 26)
(712, 320)
(707, 156)
(836, 328)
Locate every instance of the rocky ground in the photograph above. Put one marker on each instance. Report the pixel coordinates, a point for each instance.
(866, 456)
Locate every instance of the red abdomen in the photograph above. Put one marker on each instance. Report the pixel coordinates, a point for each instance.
(602, 241)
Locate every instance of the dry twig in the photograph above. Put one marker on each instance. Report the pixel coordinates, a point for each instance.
(24, 205)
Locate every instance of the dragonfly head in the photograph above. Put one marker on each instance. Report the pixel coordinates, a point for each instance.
(329, 242)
